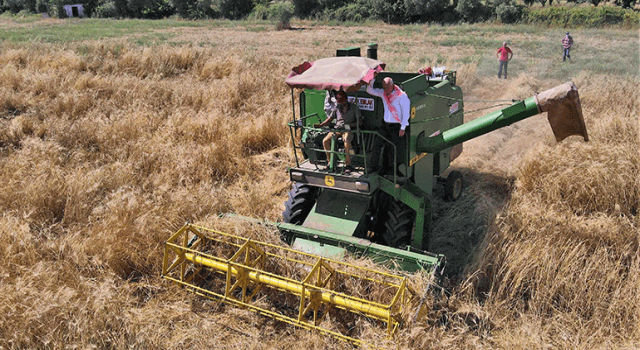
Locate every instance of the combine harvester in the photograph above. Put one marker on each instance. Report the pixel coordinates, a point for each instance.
(331, 212)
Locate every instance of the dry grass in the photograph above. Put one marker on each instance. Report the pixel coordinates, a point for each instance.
(105, 153)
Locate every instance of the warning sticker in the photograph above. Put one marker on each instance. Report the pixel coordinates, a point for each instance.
(453, 108)
(329, 181)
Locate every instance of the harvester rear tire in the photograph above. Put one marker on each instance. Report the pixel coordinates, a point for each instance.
(399, 225)
(453, 186)
(302, 197)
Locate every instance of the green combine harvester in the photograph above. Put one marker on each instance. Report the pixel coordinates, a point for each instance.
(331, 212)
(389, 217)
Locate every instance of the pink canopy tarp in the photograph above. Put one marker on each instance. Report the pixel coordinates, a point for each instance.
(335, 73)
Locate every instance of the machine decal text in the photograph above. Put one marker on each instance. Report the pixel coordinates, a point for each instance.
(365, 104)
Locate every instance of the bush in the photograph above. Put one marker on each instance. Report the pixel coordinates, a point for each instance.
(582, 16)
(260, 12)
(352, 13)
(281, 12)
(509, 13)
(631, 19)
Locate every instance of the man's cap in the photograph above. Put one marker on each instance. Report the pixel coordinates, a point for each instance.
(567, 33)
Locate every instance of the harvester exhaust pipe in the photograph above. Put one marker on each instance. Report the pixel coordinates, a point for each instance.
(564, 114)
(372, 51)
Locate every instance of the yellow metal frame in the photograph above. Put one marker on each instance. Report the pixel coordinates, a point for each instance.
(245, 271)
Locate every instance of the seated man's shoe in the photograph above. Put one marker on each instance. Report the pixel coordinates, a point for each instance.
(322, 167)
(348, 169)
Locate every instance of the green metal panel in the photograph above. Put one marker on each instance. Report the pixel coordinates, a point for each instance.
(407, 260)
(422, 169)
(442, 163)
(349, 51)
(338, 211)
(415, 85)
(438, 109)
(323, 241)
(312, 101)
(319, 248)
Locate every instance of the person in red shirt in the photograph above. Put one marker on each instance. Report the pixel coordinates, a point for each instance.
(504, 55)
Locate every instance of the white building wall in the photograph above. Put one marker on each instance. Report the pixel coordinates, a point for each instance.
(69, 10)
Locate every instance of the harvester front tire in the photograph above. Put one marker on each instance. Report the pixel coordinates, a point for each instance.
(453, 186)
(302, 197)
(399, 225)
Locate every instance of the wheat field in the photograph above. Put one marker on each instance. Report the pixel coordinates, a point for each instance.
(108, 147)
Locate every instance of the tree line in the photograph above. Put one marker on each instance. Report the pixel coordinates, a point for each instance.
(390, 11)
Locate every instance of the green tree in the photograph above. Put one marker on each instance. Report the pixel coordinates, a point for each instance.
(185, 8)
(355, 12)
(150, 9)
(13, 6)
(473, 11)
(508, 13)
(105, 9)
(426, 10)
(390, 11)
(332, 4)
(235, 9)
(42, 6)
(121, 7)
(626, 4)
(305, 8)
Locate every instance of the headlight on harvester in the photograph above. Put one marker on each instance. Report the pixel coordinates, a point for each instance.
(362, 186)
(297, 176)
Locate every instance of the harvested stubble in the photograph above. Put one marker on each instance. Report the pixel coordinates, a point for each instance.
(103, 155)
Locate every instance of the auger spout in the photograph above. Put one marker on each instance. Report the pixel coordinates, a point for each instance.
(564, 113)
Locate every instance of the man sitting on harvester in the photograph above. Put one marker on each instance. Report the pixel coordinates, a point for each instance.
(347, 116)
